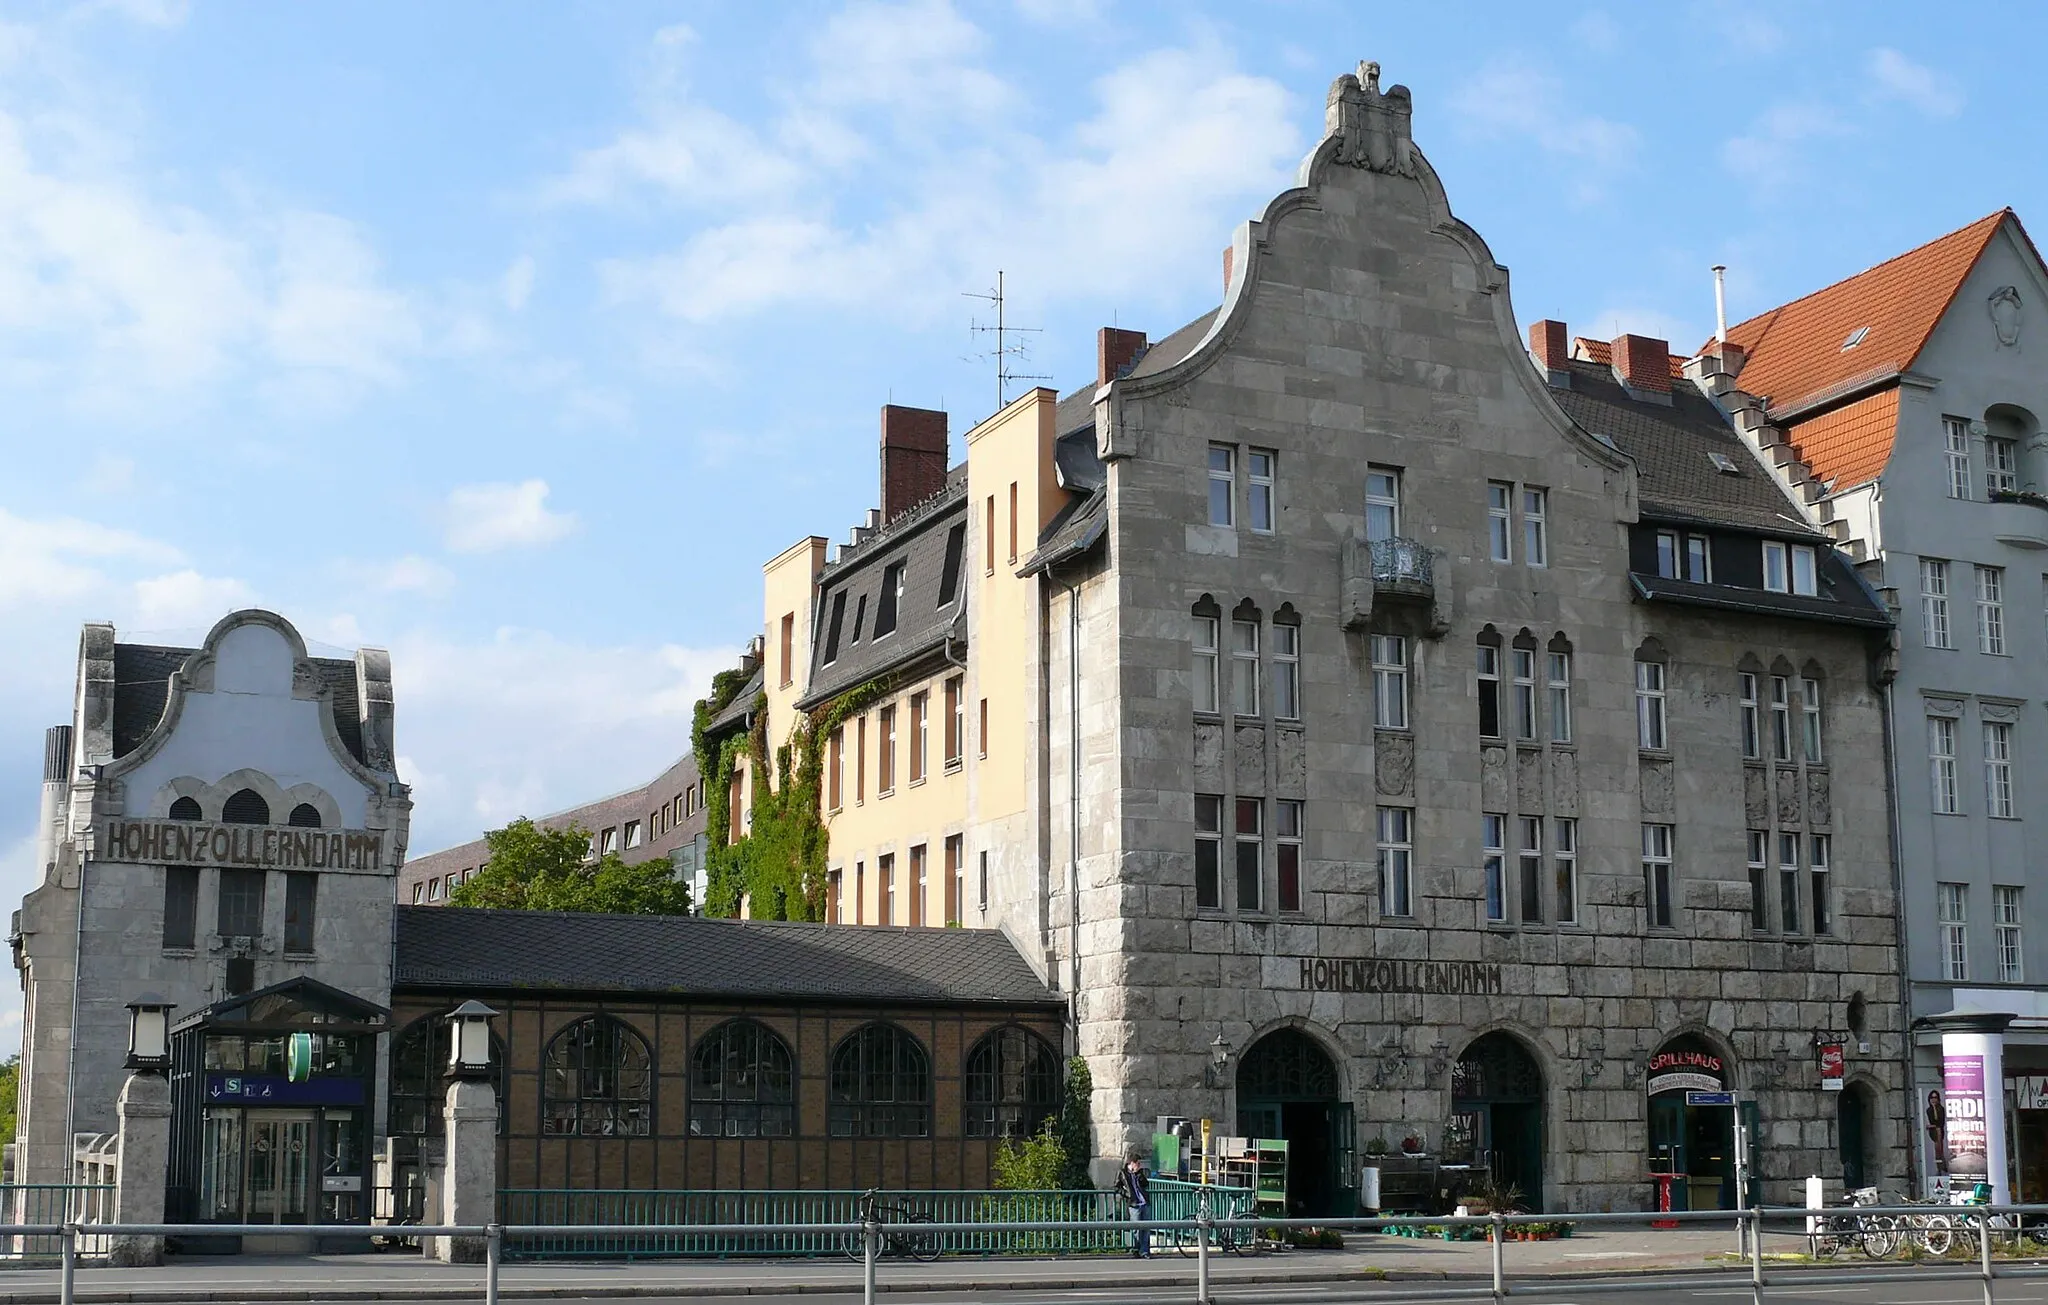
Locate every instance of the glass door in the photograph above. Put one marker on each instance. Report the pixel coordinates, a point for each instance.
(279, 1168)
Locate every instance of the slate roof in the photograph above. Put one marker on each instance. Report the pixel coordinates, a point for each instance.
(142, 687)
(1847, 600)
(920, 539)
(742, 702)
(459, 949)
(1175, 346)
(1676, 480)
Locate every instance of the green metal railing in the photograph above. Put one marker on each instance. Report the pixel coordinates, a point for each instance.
(667, 1215)
(53, 1203)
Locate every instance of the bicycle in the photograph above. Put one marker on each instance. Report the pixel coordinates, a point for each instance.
(1235, 1241)
(923, 1246)
(1877, 1235)
(1933, 1232)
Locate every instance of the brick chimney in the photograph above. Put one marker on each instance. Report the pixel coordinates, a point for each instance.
(1115, 351)
(1229, 265)
(913, 457)
(1643, 366)
(1551, 347)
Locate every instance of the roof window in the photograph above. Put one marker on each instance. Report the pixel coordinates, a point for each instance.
(887, 600)
(1855, 338)
(1723, 463)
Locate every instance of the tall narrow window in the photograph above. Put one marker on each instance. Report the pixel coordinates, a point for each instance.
(1382, 503)
(1956, 439)
(1752, 717)
(1805, 571)
(301, 892)
(1244, 667)
(1287, 852)
(1530, 884)
(1951, 912)
(889, 600)
(1777, 567)
(835, 897)
(1699, 559)
(918, 882)
(1788, 882)
(1489, 691)
(1991, 610)
(1286, 670)
(920, 712)
(1998, 770)
(988, 538)
(1560, 687)
(1222, 485)
(1657, 875)
(1809, 716)
(885, 757)
(1205, 663)
(1650, 706)
(956, 721)
(981, 731)
(1759, 880)
(981, 888)
(1525, 693)
(1251, 853)
(1941, 756)
(860, 892)
(1934, 630)
(1781, 718)
(1259, 503)
(860, 759)
(949, 576)
(1500, 525)
(835, 770)
(240, 905)
(1564, 856)
(1208, 852)
(1390, 681)
(181, 907)
(1823, 901)
(788, 647)
(1013, 521)
(1668, 562)
(956, 878)
(1396, 870)
(1536, 527)
(1493, 837)
(885, 875)
(2005, 922)
(833, 626)
(2001, 465)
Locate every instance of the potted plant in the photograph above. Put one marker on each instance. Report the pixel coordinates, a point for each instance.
(1411, 1145)
(1376, 1145)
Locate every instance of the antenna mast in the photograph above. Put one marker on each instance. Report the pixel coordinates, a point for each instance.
(1004, 350)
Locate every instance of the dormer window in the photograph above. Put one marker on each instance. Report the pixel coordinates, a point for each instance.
(1855, 338)
(887, 601)
(1667, 554)
(1790, 569)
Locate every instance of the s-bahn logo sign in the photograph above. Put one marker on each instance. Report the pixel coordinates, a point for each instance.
(1364, 974)
(257, 847)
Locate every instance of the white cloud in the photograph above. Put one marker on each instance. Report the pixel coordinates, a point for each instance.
(1597, 31)
(1769, 155)
(1061, 13)
(1513, 98)
(516, 285)
(188, 598)
(411, 574)
(915, 56)
(1894, 76)
(52, 559)
(488, 517)
(329, 309)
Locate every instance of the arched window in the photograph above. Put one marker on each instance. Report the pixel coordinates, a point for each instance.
(597, 1081)
(742, 1083)
(246, 807)
(419, 1077)
(881, 1085)
(185, 809)
(1013, 1084)
(304, 816)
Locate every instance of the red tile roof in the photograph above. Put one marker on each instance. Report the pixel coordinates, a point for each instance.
(1849, 445)
(1602, 352)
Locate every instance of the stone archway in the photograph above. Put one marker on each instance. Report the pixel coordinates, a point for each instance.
(1497, 1115)
(1287, 1087)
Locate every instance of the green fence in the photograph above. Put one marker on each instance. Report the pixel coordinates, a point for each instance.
(53, 1203)
(667, 1216)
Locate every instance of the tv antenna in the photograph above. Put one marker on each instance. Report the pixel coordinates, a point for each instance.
(1004, 350)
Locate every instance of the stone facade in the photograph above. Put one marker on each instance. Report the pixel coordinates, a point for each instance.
(1365, 329)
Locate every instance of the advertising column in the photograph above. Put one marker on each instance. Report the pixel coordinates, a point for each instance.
(1973, 1098)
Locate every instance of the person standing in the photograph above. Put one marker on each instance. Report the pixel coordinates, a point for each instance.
(1130, 1184)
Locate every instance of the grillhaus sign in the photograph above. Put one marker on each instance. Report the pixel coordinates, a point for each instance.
(194, 842)
(1364, 974)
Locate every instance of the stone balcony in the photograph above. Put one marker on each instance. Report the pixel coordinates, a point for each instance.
(1392, 584)
(2019, 519)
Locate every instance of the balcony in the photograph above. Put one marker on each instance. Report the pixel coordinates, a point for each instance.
(2019, 518)
(1401, 566)
(1390, 583)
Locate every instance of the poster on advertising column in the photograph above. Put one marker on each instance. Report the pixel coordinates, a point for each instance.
(1962, 1091)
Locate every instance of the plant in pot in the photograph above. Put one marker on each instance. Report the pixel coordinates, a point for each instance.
(1411, 1144)
(1377, 1145)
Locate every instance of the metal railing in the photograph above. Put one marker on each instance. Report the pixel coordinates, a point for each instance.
(1979, 1228)
(1400, 561)
(53, 1204)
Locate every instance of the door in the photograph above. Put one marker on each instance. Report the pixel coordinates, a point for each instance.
(278, 1146)
(1667, 1141)
(1851, 1126)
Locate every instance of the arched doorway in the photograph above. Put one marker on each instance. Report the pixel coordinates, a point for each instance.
(1692, 1123)
(1854, 1119)
(1497, 1115)
(1287, 1088)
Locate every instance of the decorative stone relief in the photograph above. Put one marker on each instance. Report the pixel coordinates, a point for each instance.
(1756, 797)
(1209, 756)
(1998, 711)
(1564, 783)
(1250, 752)
(1528, 780)
(1290, 763)
(1493, 778)
(1656, 787)
(1819, 803)
(1788, 798)
(1372, 129)
(2005, 309)
(1394, 764)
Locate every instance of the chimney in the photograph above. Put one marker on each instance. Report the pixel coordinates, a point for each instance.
(1642, 364)
(1550, 345)
(1720, 303)
(1115, 351)
(913, 458)
(1229, 265)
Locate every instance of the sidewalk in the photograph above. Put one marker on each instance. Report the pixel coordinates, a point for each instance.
(404, 1276)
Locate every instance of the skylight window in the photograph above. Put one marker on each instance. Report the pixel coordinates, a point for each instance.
(1855, 338)
(1723, 463)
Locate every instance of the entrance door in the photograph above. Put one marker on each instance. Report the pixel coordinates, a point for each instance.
(1497, 1116)
(259, 1166)
(1852, 1124)
(1287, 1088)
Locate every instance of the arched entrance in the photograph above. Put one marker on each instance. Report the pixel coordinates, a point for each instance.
(1854, 1119)
(1497, 1115)
(1688, 1136)
(1287, 1088)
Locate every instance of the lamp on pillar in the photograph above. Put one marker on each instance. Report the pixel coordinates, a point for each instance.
(1219, 1061)
(469, 1044)
(149, 1034)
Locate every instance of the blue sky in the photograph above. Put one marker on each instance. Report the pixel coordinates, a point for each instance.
(516, 338)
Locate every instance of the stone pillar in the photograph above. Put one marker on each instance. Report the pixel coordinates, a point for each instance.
(142, 1164)
(1973, 1097)
(469, 1174)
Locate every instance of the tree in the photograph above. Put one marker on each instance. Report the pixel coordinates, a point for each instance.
(536, 869)
(1031, 1164)
(10, 1096)
(1076, 1130)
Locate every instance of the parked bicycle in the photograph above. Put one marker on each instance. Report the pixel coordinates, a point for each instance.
(916, 1243)
(1933, 1231)
(1876, 1235)
(1222, 1205)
